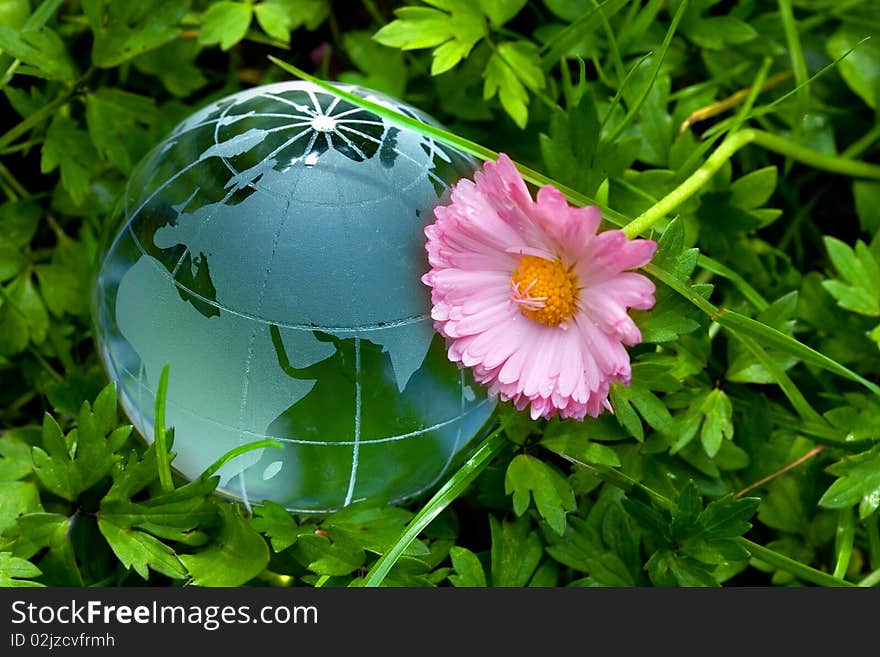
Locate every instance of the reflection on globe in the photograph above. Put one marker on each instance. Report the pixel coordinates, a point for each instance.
(270, 251)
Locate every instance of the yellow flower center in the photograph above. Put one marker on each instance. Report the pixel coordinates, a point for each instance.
(544, 290)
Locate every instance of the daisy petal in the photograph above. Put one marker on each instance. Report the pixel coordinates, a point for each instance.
(550, 340)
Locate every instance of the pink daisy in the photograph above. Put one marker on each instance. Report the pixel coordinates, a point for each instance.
(530, 297)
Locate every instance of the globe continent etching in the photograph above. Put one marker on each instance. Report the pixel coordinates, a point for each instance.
(269, 251)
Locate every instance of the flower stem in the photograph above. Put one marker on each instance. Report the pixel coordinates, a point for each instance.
(456, 485)
(731, 144)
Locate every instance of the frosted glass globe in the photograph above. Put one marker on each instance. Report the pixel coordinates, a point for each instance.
(270, 251)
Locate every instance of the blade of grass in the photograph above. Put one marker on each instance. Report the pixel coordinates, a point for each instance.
(762, 110)
(789, 565)
(751, 294)
(236, 452)
(450, 491)
(770, 337)
(160, 437)
(612, 42)
(843, 540)
(619, 93)
(667, 41)
(871, 580)
(754, 91)
(798, 65)
(567, 38)
(872, 529)
(800, 404)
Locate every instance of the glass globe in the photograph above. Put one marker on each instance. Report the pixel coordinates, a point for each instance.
(270, 252)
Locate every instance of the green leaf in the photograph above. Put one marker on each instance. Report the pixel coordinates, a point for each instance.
(278, 525)
(337, 557)
(454, 33)
(858, 288)
(23, 317)
(717, 424)
(225, 23)
(585, 16)
(581, 548)
(468, 569)
(172, 519)
(16, 499)
(744, 367)
(383, 68)
(69, 148)
(783, 507)
(139, 550)
(415, 27)
(527, 478)
(14, 13)
(727, 517)
(47, 534)
(861, 69)
(569, 149)
(859, 419)
(181, 79)
(65, 283)
(667, 568)
(373, 528)
(523, 59)
(15, 457)
(516, 552)
(867, 197)
(116, 121)
(69, 465)
(274, 20)
(124, 30)
(753, 189)
(513, 67)
(16, 572)
(501, 79)
(716, 32)
(501, 11)
(858, 483)
(237, 555)
(41, 50)
(576, 447)
(300, 13)
(18, 222)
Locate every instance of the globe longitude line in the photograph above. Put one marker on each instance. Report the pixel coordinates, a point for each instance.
(458, 432)
(253, 337)
(352, 479)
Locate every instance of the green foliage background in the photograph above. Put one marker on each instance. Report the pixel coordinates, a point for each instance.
(746, 451)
